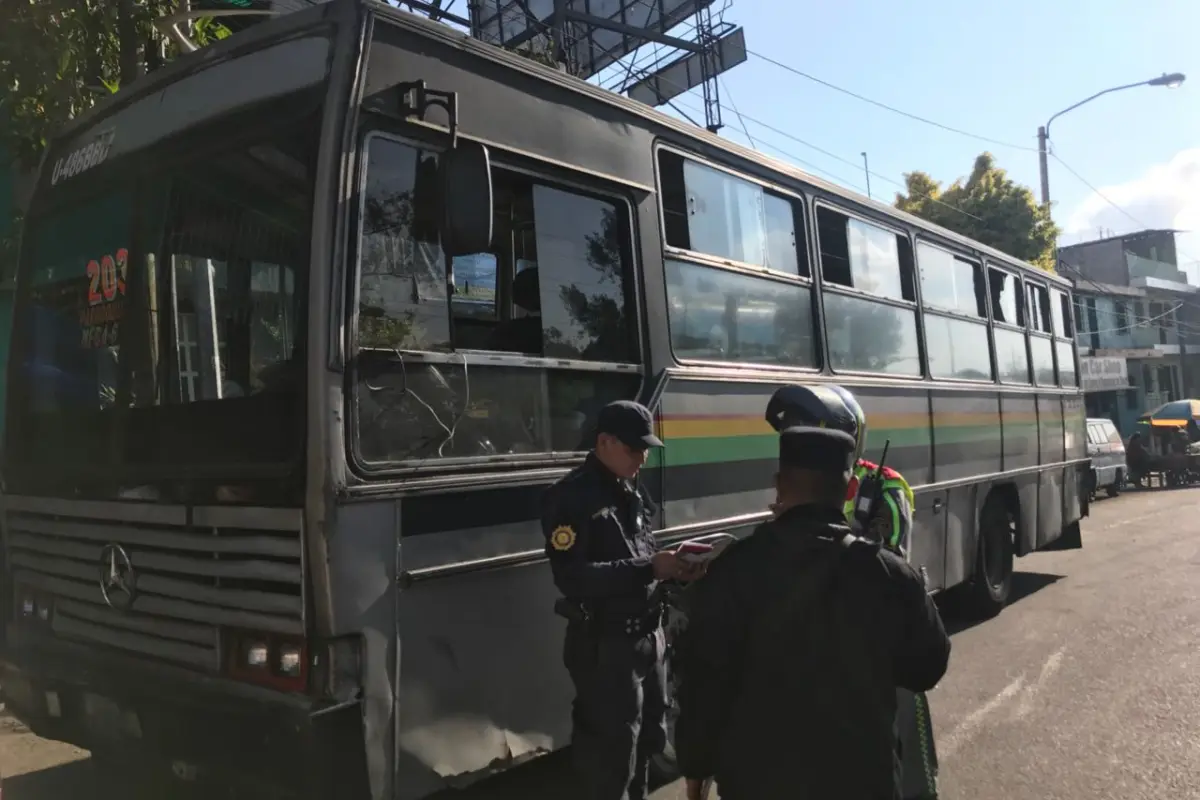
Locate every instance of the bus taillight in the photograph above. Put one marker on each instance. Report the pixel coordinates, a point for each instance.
(269, 659)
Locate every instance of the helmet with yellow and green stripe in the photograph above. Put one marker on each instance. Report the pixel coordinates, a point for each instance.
(818, 405)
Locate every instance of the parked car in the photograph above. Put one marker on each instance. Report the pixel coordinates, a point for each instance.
(1107, 452)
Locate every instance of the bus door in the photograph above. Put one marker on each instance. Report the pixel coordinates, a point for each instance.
(471, 396)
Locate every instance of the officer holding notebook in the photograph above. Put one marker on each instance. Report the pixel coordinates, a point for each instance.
(598, 521)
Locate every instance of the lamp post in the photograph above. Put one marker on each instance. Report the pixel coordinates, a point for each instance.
(1171, 81)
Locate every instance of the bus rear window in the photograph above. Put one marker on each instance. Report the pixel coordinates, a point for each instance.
(67, 355)
(160, 323)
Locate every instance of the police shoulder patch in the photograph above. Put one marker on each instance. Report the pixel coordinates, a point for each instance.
(563, 538)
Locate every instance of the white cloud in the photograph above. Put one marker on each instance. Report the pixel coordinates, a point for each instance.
(1165, 196)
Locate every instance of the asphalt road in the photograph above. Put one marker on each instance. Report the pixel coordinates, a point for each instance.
(1086, 687)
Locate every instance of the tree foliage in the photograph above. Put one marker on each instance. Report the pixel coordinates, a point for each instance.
(59, 57)
(988, 207)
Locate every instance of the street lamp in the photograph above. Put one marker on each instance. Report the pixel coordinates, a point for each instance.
(1170, 81)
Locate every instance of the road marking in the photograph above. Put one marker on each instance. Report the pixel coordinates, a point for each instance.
(948, 744)
(966, 729)
(1048, 669)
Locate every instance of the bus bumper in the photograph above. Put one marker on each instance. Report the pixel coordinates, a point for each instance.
(224, 730)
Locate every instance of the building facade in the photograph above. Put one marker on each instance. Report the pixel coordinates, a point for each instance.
(1137, 319)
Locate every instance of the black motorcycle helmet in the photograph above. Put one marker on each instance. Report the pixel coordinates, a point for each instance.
(818, 406)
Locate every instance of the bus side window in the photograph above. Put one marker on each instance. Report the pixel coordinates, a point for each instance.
(1039, 309)
(715, 213)
(1008, 316)
(953, 292)
(1041, 348)
(872, 327)
(564, 257)
(401, 283)
(551, 303)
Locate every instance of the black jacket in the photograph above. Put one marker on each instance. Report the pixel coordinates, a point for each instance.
(795, 643)
(599, 540)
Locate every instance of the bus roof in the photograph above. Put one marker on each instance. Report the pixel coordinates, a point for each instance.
(512, 60)
(295, 22)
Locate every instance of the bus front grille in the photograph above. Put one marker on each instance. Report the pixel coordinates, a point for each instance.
(194, 573)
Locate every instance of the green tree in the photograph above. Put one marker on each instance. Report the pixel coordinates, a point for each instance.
(988, 207)
(59, 57)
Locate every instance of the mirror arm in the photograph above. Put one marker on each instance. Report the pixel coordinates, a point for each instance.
(416, 100)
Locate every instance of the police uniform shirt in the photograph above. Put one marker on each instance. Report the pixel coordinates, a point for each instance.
(598, 538)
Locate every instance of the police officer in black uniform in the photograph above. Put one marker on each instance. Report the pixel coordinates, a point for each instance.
(796, 641)
(598, 526)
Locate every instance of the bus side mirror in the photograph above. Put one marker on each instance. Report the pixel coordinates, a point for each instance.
(466, 199)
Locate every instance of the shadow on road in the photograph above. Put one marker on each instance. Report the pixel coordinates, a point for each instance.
(74, 780)
(543, 779)
(1024, 584)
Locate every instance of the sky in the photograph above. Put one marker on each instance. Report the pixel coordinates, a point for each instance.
(1124, 162)
(998, 70)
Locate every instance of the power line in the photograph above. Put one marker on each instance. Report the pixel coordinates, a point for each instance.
(848, 162)
(1110, 201)
(807, 76)
(832, 155)
(893, 109)
(1099, 193)
(744, 117)
(806, 164)
(1101, 291)
(745, 130)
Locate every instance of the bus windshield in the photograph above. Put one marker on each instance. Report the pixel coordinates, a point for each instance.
(160, 317)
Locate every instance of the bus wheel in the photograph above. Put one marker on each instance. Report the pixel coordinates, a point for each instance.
(993, 557)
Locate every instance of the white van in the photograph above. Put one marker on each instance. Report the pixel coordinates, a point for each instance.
(1107, 452)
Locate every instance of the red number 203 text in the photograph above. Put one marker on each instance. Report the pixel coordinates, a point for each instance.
(106, 277)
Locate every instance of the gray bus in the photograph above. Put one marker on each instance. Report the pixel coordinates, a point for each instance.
(309, 318)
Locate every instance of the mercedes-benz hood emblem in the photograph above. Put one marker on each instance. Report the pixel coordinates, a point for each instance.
(118, 580)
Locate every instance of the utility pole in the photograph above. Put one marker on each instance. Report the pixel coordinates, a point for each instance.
(867, 170)
(1043, 166)
(1170, 81)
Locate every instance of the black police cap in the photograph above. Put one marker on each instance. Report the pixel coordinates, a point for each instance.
(630, 422)
(818, 449)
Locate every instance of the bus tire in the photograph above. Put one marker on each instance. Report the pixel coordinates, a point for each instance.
(992, 583)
